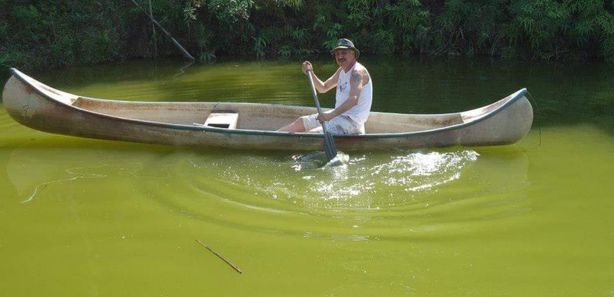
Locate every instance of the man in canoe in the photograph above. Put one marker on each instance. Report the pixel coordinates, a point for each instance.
(353, 98)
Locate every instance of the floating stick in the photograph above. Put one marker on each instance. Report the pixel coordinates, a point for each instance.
(235, 267)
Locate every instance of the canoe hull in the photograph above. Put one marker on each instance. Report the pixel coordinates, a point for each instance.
(43, 108)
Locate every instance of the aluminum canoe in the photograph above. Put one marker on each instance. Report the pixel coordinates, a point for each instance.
(253, 126)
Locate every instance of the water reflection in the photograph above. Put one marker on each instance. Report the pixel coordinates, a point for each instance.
(182, 70)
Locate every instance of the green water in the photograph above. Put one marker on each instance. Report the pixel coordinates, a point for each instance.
(81, 217)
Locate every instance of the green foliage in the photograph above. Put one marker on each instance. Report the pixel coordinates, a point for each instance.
(332, 35)
(260, 45)
(285, 51)
(559, 29)
(412, 23)
(296, 4)
(207, 57)
(230, 11)
(383, 42)
(539, 24)
(358, 15)
(468, 27)
(190, 10)
(40, 34)
(203, 41)
(36, 34)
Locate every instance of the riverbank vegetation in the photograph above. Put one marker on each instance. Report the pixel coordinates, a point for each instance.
(47, 34)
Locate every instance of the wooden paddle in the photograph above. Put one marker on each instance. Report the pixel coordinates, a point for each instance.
(329, 143)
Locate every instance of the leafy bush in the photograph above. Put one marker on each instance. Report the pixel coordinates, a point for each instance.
(43, 34)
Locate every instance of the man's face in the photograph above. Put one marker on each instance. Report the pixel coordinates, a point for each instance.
(345, 56)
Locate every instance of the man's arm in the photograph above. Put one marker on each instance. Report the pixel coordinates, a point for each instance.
(356, 84)
(321, 87)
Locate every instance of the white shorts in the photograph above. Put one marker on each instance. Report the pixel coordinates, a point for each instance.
(339, 125)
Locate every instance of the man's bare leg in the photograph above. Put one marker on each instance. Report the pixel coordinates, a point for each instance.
(296, 126)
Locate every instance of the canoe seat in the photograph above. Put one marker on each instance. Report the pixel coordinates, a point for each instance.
(226, 120)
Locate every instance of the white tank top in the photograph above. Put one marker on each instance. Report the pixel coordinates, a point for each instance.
(360, 112)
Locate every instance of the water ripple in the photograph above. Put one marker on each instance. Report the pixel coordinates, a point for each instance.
(399, 195)
(423, 192)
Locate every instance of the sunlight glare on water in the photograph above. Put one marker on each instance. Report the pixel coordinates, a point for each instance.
(358, 180)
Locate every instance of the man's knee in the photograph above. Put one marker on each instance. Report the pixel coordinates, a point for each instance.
(299, 125)
(296, 126)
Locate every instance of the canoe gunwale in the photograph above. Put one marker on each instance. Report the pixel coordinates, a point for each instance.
(511, 99)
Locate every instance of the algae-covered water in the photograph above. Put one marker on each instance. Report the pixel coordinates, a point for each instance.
(84, 217)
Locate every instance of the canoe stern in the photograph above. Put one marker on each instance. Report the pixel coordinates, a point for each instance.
(508, 124)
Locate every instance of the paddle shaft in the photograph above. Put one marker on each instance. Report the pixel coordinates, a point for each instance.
(329, 143)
